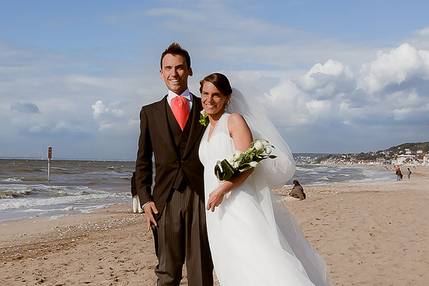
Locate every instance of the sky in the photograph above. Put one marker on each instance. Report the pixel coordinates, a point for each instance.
(334, 76)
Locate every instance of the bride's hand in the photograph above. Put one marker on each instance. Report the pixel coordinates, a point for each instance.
(216, 197)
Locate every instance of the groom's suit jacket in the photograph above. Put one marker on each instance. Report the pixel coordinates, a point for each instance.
(175, 153)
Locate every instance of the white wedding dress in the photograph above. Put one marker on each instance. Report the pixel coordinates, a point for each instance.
(253, 239)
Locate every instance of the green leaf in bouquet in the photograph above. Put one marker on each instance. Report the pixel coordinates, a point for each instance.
(244, 166)
(272, 156)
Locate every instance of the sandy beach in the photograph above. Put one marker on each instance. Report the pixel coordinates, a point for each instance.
(368, 233)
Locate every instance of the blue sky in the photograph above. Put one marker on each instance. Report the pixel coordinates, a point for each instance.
(335, 76)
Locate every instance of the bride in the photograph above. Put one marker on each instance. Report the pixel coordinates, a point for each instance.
(252, 237)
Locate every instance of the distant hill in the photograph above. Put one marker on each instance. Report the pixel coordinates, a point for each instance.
(416, 151)
(414, 147)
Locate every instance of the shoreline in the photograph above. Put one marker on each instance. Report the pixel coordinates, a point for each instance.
(368, 233)
(28, 205)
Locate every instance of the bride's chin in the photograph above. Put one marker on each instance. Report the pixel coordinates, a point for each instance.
(215, 115)
(211, 112)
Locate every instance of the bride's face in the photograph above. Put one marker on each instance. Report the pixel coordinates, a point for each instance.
(213, 100)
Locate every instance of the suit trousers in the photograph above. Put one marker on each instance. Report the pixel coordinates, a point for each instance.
(181, 236)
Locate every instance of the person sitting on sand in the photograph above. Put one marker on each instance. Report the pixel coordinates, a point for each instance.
(297, 191)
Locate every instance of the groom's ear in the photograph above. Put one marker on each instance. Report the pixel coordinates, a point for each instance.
(190, 72)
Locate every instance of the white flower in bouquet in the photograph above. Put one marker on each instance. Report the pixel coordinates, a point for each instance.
(259, 145)
(236, 156)
(253, 164)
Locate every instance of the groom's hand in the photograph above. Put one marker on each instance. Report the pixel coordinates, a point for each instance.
(149, 211)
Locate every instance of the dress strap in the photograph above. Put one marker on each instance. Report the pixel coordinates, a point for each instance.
(225, 120)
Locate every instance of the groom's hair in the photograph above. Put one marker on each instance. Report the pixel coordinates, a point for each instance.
(176, 49)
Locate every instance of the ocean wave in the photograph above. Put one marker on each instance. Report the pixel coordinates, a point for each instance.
(11, 191)
(321, 168)
(8, 204)
(59, 169)
(301, 168)
(108, 173)
(14, 194)
(35, 210)
(322, 175)
(12, 180)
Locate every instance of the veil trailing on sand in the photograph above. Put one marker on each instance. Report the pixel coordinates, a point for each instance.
(271, 173)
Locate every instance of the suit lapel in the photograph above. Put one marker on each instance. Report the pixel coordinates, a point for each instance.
(164, 129)
(196, 128)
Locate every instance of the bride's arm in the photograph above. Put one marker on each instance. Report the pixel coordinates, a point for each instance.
(242, 138)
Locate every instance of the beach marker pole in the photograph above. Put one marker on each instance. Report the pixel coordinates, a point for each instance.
(49, 160)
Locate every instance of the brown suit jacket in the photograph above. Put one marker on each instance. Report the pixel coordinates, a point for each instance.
(156, 140)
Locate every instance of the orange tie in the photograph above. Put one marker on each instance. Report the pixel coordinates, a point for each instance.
(180, 108)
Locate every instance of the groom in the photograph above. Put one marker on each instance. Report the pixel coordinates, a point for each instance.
(170, 132)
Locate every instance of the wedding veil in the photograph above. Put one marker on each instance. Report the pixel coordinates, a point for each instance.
(280, 170)
(276, 172)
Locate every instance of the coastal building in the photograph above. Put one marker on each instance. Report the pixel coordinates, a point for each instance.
(405, 159)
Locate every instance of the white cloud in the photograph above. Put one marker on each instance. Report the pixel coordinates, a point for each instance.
(423, 32)
(101, 110)
(327, 79)
(420, 39)
(329, 93)
(286, 102)
(318, 108)
(98, 108)
(112, 118)
(394, 68)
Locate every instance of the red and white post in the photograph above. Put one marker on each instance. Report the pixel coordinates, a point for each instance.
(49, 160)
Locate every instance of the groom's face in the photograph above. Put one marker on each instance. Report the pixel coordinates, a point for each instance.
(175, 73)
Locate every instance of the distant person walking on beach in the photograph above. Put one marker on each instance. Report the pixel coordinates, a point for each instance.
(398, 173)
(174, 208)
(297, 191)
(409, 173)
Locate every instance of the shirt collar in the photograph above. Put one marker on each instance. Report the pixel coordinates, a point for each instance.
(186, 94)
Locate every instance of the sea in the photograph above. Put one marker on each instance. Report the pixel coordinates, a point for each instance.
(79, 186)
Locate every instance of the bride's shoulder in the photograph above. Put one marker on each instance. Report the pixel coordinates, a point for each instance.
(236, 120)
(235, 117)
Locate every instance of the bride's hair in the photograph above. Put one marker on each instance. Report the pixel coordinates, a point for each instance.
(220, 81)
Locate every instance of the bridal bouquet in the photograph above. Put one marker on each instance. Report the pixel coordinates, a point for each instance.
(240, 162)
